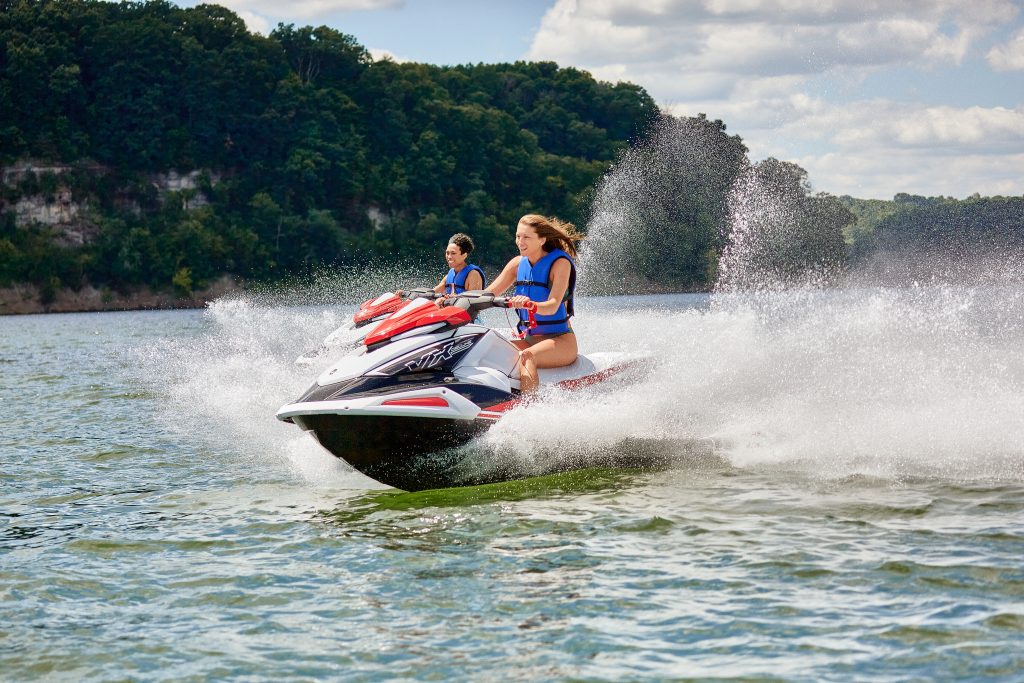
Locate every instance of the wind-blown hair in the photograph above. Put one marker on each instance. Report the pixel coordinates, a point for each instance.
(557, 234)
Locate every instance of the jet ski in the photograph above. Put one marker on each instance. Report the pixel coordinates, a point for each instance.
(369, 313)
(425, 381)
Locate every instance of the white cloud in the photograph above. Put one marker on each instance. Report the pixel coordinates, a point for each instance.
(882, 175)
(380, 54)
(879, 123)
(254, 22)
(304, 9)
(751, 63)
(1010, 55)
(881, 147)
(593, 37)
(876, 148)
(762, 37)
(997, 128)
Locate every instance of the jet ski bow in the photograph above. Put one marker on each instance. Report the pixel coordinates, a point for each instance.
(423, 381)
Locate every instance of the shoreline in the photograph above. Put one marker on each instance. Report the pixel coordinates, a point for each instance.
(27, 299)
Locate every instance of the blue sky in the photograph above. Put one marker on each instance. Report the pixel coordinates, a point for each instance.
(871, 97)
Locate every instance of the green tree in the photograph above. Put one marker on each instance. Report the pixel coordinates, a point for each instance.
(300, 137)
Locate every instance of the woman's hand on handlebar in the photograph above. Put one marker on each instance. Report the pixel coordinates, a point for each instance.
(521, 301)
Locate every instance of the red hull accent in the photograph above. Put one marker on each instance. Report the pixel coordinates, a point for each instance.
(424, 402)
(368, 311)
(494, 412)
(417, 317)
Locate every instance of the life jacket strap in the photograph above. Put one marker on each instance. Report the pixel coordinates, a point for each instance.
(529, 322)
(523, 325)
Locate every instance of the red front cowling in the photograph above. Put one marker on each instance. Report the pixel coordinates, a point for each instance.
(416, 317)
(367, 311)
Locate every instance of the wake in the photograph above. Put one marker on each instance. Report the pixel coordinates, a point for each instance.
(921, 381)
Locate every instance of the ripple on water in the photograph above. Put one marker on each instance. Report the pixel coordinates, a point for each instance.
(162, 538)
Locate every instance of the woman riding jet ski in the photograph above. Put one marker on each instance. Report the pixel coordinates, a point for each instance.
(461, 275)
(425, 380)
(430, 379)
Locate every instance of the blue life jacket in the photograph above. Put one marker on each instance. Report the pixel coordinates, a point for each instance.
(535, 282)
(459, 279)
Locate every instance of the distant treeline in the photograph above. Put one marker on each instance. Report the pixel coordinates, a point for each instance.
(304, 152)
(910, 223)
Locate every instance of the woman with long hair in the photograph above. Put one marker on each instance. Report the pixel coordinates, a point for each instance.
(544, 275)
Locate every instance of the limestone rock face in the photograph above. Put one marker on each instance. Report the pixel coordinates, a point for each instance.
(40, 209)
(68, 213)
(173, 181)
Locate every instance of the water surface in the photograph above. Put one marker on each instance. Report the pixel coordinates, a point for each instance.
(859, 517)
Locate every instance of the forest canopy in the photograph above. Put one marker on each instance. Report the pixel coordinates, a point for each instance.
(309, 153)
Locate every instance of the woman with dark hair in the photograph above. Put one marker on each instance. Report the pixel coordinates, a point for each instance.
(462, 275)
(544, 275)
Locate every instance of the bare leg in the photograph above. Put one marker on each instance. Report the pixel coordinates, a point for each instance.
(528, 379)
(543, 352)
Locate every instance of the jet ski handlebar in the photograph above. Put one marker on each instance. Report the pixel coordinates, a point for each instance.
(478, 300)
(419, 293)
(474, 299)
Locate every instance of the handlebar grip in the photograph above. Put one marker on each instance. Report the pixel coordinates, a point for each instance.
(423, 293)
(503, 302)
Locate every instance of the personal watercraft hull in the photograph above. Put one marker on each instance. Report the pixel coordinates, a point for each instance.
(417, 439)
(405, 452)
(406, 406)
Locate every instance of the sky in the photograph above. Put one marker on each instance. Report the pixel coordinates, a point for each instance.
(870, 97)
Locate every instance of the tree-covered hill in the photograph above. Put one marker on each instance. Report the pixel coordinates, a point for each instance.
(299, 149)
(911, 223)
